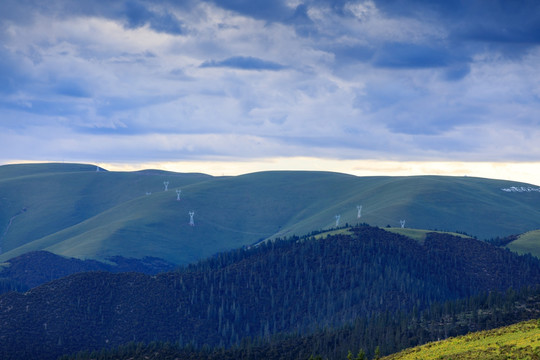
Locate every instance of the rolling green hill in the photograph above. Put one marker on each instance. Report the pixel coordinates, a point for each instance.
(74, 210)
(527, 243)
(519, 341)
(419, 234)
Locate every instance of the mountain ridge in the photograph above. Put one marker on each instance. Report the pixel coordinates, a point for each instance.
(38, 267)
(284, 286)
(76, 211)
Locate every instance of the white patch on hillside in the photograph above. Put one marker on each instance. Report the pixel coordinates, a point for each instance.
(520, 189)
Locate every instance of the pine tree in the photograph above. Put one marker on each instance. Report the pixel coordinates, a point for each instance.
(377, 353)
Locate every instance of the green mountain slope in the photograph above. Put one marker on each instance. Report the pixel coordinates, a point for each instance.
(73, 210)
(527, 243)
(45, 199)
(420, 234)
(519, 341)
(22, 170)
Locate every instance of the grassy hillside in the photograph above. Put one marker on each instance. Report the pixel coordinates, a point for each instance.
(520, 341)
(22, 170)
(527, 243)
(420, 234)
(73, 210)
(41, 200)
(415, 234)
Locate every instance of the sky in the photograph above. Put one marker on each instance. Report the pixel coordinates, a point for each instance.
(394, 87)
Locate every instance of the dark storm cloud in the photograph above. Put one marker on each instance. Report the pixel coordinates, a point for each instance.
(113, 130)
(457, 71)
(470, 27)
(73, 88)
(55, 107)
(302, 23)
(244, 63)
(132, 13)
(274, 10)
(402, 55)
(479, 20)
(138, 14)
(387, 71)
(353, 53)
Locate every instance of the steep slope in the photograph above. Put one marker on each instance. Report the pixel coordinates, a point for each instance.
(78, 212)
(287, 286)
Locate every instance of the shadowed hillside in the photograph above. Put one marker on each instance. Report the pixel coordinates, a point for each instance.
(285, 286)
(37, 267)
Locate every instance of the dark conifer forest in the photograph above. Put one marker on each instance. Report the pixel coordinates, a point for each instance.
(38, 267)
(361, 289)
(386, 332)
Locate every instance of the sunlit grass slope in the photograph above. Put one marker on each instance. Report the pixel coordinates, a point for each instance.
(418, 234)
(74, 210)
(519, 341)
(415, 234)
(527, 243)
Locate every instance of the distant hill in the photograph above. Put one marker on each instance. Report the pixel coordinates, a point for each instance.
(38, 267)
(519, 341)
(298, 285)
(76, 211)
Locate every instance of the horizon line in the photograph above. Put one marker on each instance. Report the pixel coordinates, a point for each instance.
(525, 172)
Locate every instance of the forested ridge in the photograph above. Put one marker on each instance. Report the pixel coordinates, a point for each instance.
(37, 267)
(289, 286)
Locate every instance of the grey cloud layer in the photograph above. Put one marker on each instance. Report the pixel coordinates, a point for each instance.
(404, 79)
(244, 62)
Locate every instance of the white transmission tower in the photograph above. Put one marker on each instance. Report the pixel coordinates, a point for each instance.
(337, 220)
(402, 222)
(178, 192)
(359, 207)
(166, 183)
(191, 214)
